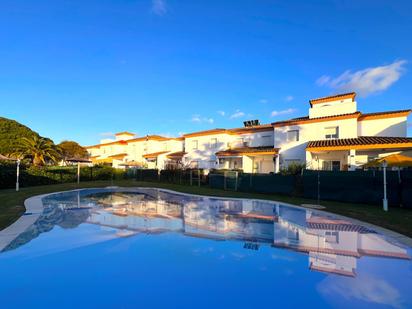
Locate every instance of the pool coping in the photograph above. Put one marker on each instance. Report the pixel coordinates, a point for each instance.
(34, 208)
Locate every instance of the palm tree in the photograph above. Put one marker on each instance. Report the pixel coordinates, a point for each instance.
(38, 149)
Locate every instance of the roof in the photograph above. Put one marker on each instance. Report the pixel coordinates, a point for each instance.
(104, 160)
(154, 154)
(151, 138)
(132, 163)
(176, 155)
(251, 129)
(235, 131)
(339, 227)
(359, 115)
(121, 142)
(304, 120)
(79, 160)
(362, 142)
(124, 154)
(125, 133)
(343, 96)
(247, 151)
(206, 132)
(383, 115)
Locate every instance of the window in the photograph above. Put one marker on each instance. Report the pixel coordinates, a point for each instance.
(195, 145)
(267, 140)
(331, 132)
(292, 136)
(331, 165)
(213, 143)
(332, 237)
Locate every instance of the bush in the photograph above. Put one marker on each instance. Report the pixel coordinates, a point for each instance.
(34, 176)
(293, 169)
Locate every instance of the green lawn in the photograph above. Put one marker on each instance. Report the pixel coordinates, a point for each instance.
(397, 219)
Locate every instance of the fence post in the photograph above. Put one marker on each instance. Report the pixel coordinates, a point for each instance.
(318, 187)
(224, 180)
(250, 180)
(236, 175)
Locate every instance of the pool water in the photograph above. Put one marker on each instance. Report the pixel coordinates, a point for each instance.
(149, 248)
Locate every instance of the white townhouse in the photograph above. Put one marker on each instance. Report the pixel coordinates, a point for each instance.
(153, 151)
(336, 136)
(129, 151)
(110, 151)
(249, 148)
(333, 245)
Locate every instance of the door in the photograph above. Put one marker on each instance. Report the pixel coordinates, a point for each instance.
(335, 166)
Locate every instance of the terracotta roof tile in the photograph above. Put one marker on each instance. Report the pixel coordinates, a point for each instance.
(174, 155)
(346, 143)
(125, 133)
(388, 114)
(349, 95)
(154, 154)
(247, 150)
(303, 120)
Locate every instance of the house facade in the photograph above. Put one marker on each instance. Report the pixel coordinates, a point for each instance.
(334, 136)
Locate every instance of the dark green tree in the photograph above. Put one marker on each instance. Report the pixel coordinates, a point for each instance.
(71, 149)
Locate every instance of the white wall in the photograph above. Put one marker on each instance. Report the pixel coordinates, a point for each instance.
(205, 154)
(332, 108)
(309, 132)
(383, 127)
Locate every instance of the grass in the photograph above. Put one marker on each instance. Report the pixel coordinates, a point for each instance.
(397, 219)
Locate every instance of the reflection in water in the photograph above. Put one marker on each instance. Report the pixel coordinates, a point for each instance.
(333, 245)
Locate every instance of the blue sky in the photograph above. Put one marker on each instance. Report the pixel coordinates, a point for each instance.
(84, 69)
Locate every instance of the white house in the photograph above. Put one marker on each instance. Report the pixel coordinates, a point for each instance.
(334, 136)
(127, 150)
(249, 148)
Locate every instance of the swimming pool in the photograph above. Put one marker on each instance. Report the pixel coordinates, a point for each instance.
(151, 248)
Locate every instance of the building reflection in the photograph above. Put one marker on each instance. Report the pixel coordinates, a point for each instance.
(332, 245)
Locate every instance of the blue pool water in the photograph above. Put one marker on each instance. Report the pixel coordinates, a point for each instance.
(147, 248)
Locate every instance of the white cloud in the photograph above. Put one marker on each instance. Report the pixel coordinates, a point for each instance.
(283, 112)
(366, 81)
(237, 114)
(221, 113)
(199, 119)
(107, 134)
(289, 98)
(364, 287)
(159, 7)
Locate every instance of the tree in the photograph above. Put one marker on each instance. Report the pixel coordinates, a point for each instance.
(11, 132)
(71, 149)
(38, 149)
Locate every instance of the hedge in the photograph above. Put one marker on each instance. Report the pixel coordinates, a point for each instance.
(32, 176)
